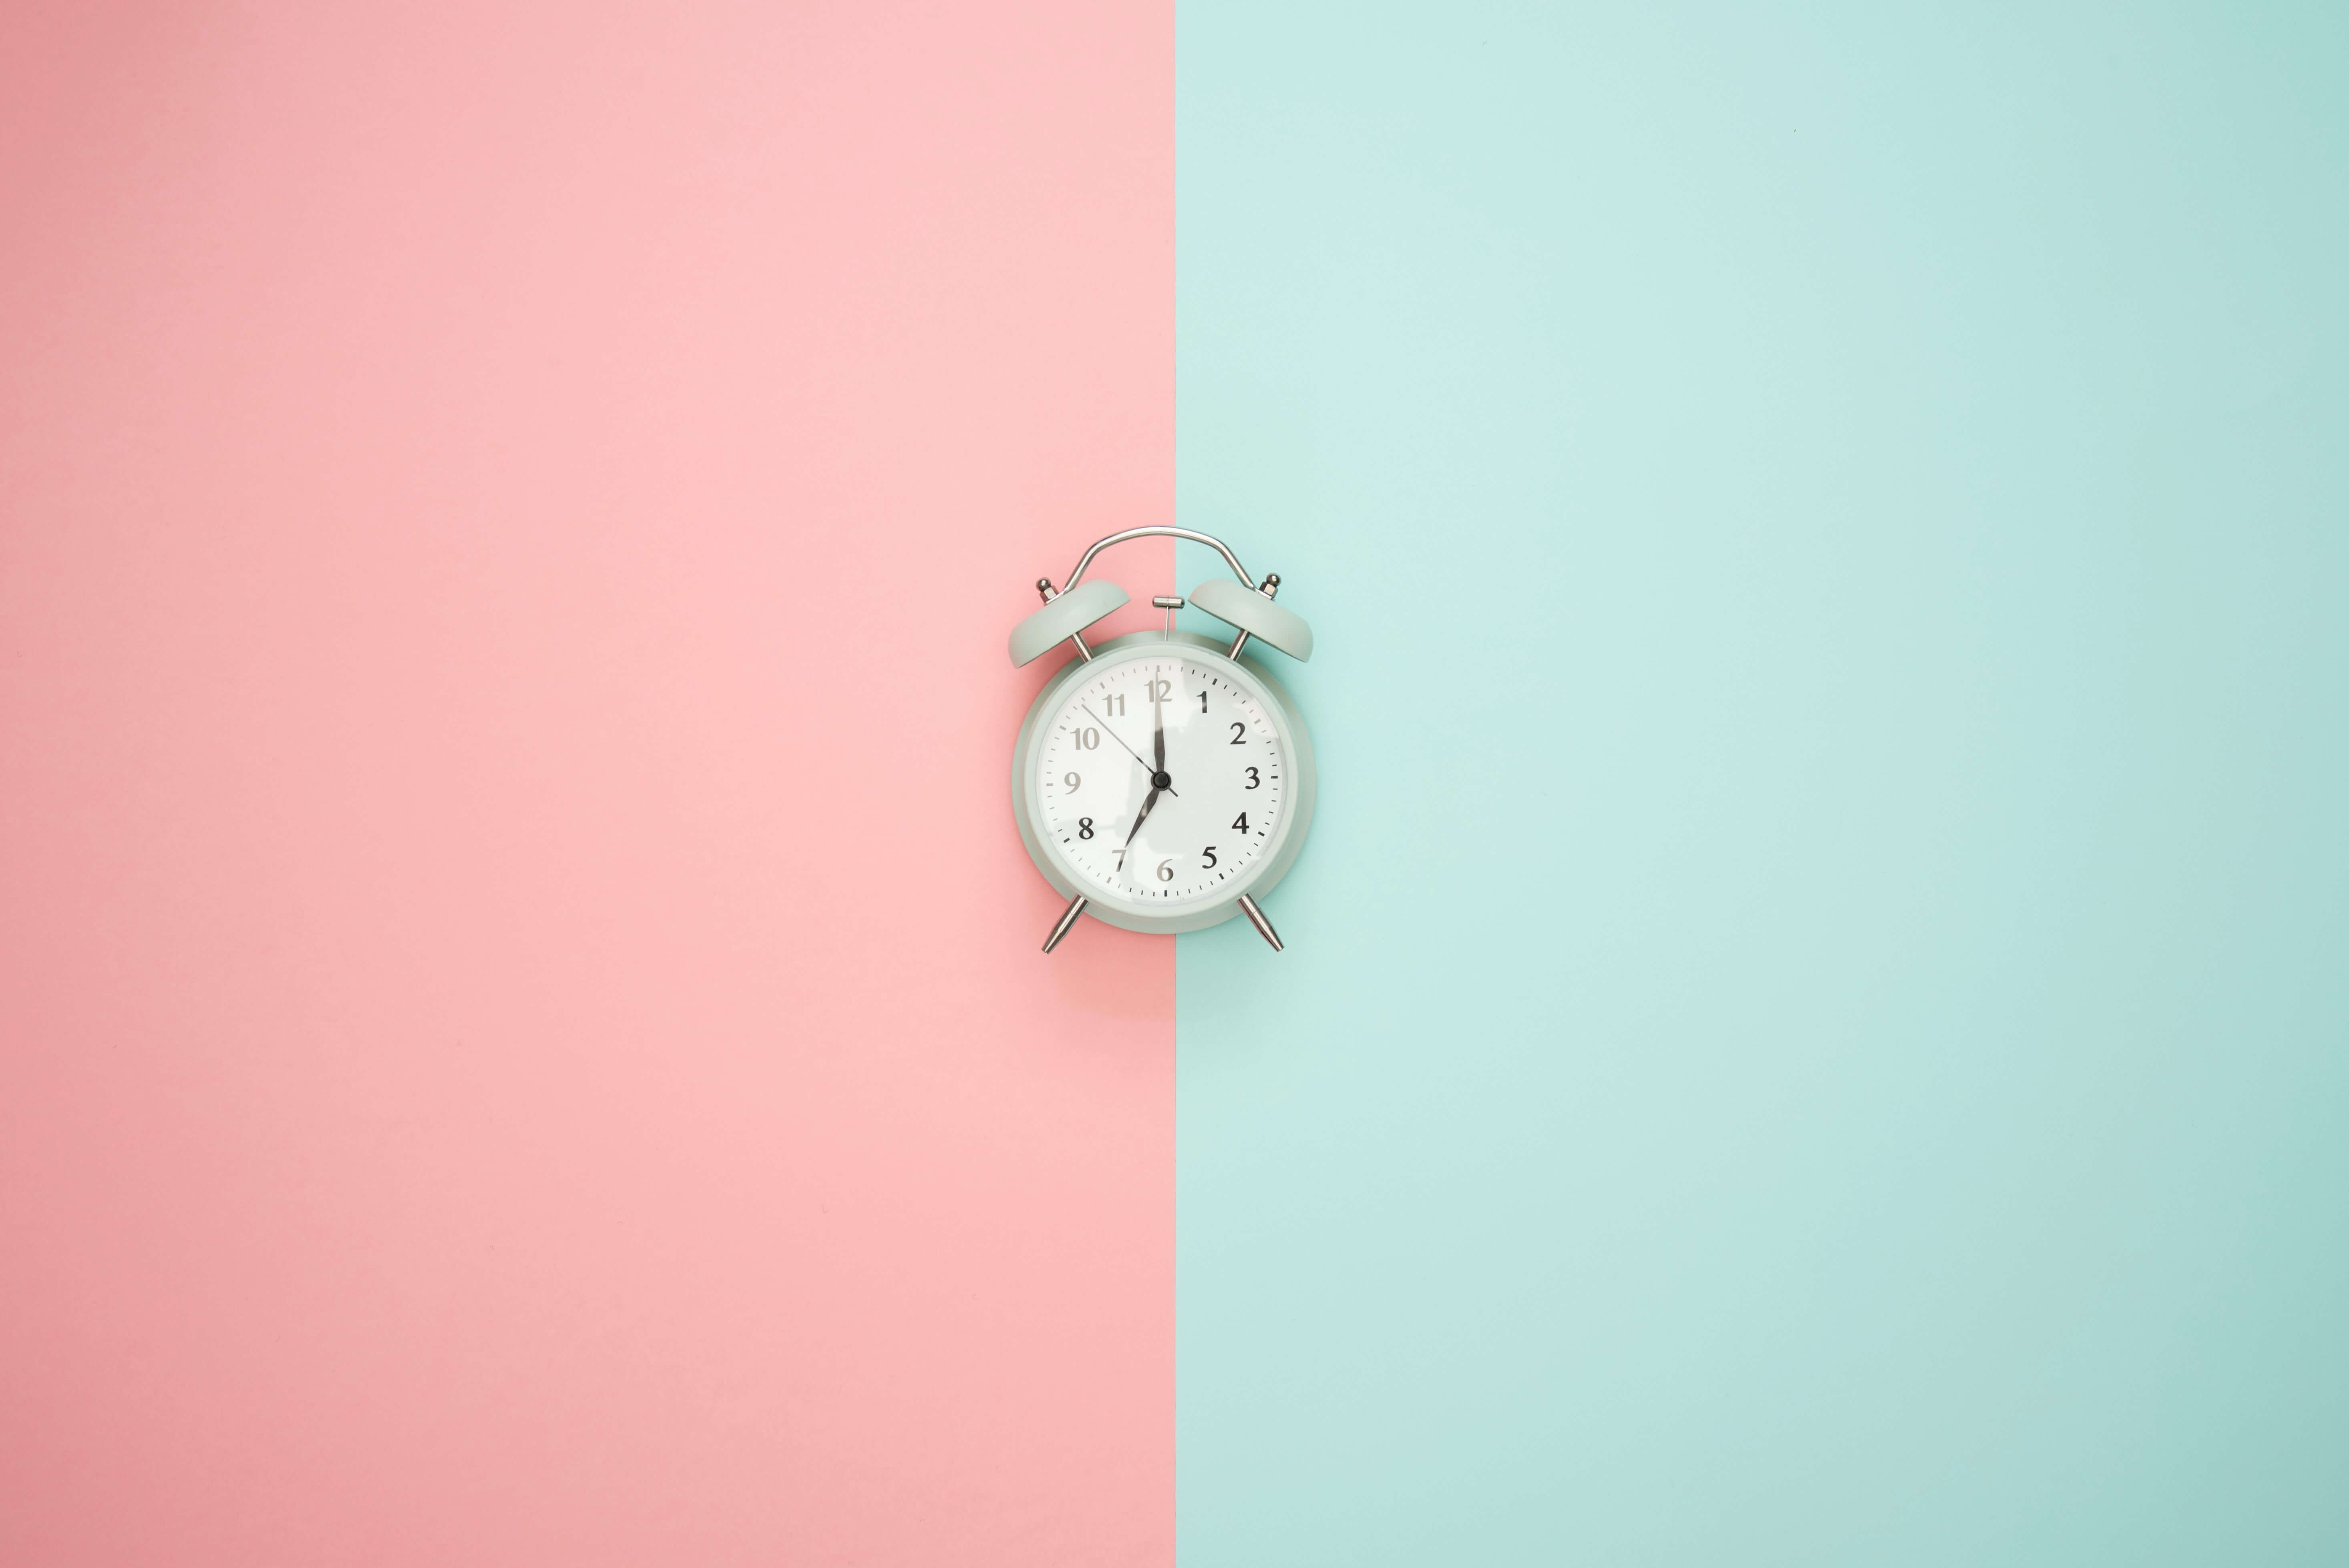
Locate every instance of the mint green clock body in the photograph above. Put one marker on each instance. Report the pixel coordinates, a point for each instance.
(1163, 781)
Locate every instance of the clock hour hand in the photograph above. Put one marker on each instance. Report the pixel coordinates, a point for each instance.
(1130, 751)
(1147, 801)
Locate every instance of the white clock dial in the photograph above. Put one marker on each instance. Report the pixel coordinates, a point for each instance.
(1161, 778)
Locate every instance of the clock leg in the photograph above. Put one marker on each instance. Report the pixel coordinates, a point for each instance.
(1256, 918)
(1077, 907)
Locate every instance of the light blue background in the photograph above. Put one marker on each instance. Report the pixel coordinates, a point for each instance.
(1815, 1029)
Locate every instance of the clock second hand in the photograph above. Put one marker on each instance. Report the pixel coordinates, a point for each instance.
(1130, 751)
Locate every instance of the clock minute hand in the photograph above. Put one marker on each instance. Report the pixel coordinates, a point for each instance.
(1158, 730)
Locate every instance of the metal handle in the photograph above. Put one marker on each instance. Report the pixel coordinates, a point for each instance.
(1155, 531)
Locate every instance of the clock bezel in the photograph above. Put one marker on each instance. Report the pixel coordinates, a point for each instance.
(1295, 816)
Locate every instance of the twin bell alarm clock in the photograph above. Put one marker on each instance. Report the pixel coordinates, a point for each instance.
(1163, 781)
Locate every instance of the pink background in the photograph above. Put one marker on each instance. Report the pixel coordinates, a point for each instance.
(521, 1032)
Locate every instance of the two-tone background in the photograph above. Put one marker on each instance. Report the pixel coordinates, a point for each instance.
(1816, 1027)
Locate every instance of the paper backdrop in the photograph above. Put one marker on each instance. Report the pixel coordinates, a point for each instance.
(1812, 1026)
(521, 1036)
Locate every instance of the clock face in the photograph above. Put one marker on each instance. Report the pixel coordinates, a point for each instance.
(1161, 778)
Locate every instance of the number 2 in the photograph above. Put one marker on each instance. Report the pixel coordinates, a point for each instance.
(1240, 733)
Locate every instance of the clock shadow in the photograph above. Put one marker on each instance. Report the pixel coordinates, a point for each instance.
(1113, 974)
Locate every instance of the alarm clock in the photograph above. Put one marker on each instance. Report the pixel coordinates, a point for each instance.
(1163, 781)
